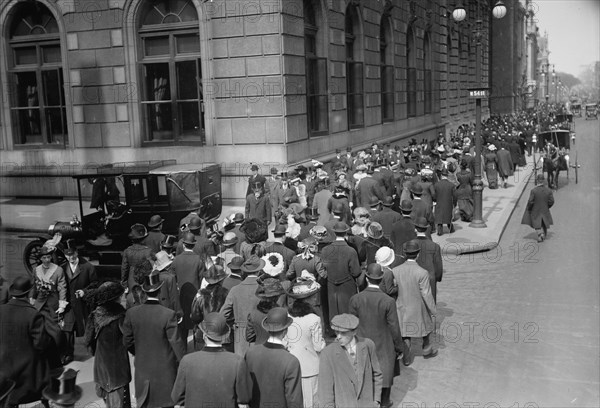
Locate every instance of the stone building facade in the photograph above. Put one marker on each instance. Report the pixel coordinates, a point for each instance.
(273, 82)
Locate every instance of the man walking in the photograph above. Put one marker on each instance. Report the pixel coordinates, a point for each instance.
(258, 206)
(537, 214)
(445, 203)
(430, 256)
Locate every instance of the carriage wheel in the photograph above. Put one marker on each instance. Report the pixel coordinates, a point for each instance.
(31, 255)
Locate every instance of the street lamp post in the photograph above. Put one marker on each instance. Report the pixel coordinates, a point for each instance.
(459, 14)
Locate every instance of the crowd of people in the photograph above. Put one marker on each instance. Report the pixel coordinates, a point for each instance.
(311, 298)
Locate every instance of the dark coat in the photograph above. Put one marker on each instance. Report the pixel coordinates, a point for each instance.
(386, 217)
(402, 231)
(444, 192)
(133, 256)
(370, 246)
(169, 292)
(339, 386)
(252, 180)
(150, 333)
(188, 267)
(98, 193)
(506, 166)
(281, 249)
(240, 300)
(104, 337)
(376, 312)
(276, 377)
(422, 209)
(210, 299)
(343, 269)
(537, 212)
(368, 187)
(430, 258)
(321, 203)
(154, 239)
(212, 377)
(23, 340)
(77, 310)
(258, 208)
(283, 198)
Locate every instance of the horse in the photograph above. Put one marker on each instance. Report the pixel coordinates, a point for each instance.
(561, 163)
(549, 167)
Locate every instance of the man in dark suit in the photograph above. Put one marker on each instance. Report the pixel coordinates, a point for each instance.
(188, 266)
(445, 203)
(258, 206)
(378, 321)
(134, 255)
(212, 376)
(79, 275)
(343, 269)
(403, 230)
(155, 235)
(277, 380)
(506, 167)
(386, 216)
(420, 207)
(23, 341)
(276, 245)
(430, 256)
(256, 181)
(204, 247)
(537, 214)
(368, 187)
(150, 334)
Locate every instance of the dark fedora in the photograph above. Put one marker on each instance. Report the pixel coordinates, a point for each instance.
(416, 189)
(20, 286)
(62, 388)
(138, 231)
(253, 264)
(152, 283)
(411, 247)
(108, 291)
(279, 230)
(236, 263)
(340, 228)
(189, 238)
(270, 287)
(421, 222)
(195, 224)
(238, 217)
(215, 274)
(374, 201)
(230, 239)
(169, 241)
(338, 208)
(388, 201)
(277, 320)
(406, 206)
(215, 327)
(155, 221)
(374, 271)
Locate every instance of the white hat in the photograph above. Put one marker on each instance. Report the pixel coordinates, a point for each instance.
(274, 263)
(492, 147)
(385, 256)
(162, 261)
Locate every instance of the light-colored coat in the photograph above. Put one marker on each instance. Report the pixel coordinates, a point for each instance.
(320, 203)
(415, 302)
(339, 386)
(305, 341)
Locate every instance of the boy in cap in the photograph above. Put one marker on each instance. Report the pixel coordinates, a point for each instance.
(349, 371)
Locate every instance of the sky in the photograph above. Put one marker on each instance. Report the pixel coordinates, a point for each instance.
(573, 28)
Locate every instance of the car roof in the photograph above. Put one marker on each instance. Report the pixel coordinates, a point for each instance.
(183, 168)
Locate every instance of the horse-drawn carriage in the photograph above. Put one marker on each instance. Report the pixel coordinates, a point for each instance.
(576, 109)
(565, 121)
(555, 146)
(591, 111)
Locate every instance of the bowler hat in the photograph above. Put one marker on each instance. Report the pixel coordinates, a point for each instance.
(374, 201)
(253, 264)
(62, 389)
(215, 327)
(406, 206)
(70, 249)
(340, 228)
(375, 230)
(411, 247)
(195, 224)
(344, 322)
(338, 208)
(421, 222)
(236, 263)
(254, 167)
(189, 238)
(277, 320)
(270, 287)
(155, 221)
(169, 241)
(388, 201)
(215, 274)
(416, 189)
(238, 217)
(20, 286)
(138, 231)
(385, 256)
(279, 230)
(230, 239)
(108, 291)
(374, 271)
(152, 283)
(274, 170)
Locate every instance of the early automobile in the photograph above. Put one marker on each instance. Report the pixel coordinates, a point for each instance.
(165, 188)
(576, 109)
(591, 111)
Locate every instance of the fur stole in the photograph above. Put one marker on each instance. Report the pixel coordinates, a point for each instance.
(101, 317)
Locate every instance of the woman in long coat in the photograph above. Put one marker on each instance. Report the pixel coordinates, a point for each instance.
(464, 192)
(104, 337)
(209, 299)
(491, 167)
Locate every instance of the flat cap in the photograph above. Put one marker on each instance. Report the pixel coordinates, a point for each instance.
(344, 322)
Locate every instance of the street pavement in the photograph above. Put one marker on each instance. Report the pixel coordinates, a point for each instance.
(517, 325)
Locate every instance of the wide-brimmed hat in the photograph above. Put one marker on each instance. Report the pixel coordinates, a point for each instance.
(253, 264)
(236, 263)
(152, 283)
(215, 274)
(318, 232)
(421, 222)
(411, 247)
(162, 261)
(374, 230)
(340, 228)
(108, 291)
(344, 322)
(230, 239)
(155, 221)
(189, 238)
(361, 167)
(274, 263)
(385, 256)
(406, 206)
(46, 250)
(62, 389)
(277, 320)
(138, 231)
(301, 288)
(215, 327)
(416, 189)
(374, 271)
(492, 147)
(269, 287)
(20, 286)
(169, 241)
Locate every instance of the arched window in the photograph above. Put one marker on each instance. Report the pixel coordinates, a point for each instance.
(386, 51)
(411, 64)
(427, 74)
(38, 110)
(169, 56)
(316, 71)
(354, 69)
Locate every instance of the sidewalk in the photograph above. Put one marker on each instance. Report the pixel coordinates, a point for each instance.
(35, 215)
